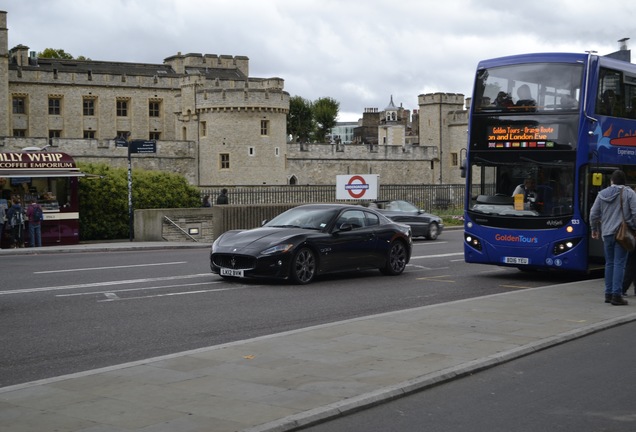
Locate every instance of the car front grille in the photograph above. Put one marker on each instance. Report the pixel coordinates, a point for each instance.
(238, 262)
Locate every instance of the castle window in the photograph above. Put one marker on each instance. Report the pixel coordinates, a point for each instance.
(154, 109)
(19, 132)
(203, 128)
(88, 106)
(19, 105)
(224, 160)
(251, 151)
(55, 106)
(264, 127)
(122, 108)
(154, 136)
(455, 159)
(89, 134)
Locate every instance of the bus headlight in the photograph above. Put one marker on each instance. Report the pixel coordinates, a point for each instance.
(564, 246)
(472, 241)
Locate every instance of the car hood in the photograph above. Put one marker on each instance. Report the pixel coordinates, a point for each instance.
(255, 240)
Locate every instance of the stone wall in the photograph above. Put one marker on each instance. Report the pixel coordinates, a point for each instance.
(201, 224)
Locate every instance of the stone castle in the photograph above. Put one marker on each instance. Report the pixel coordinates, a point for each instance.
(212, 122)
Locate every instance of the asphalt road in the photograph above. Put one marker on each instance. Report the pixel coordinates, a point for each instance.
(65, 313)
(583, 385)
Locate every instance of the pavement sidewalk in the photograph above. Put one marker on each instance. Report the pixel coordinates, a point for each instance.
(284, 381)
(104, 246)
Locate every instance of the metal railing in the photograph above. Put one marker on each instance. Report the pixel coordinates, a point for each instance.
(174, 224)
(427, 197)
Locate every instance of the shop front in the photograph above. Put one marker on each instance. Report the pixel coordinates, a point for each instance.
(52, 180)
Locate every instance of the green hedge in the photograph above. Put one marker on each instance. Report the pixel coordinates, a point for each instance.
(103, 200)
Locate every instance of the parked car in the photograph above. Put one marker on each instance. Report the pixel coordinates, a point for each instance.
(422, 224)
(314, 239)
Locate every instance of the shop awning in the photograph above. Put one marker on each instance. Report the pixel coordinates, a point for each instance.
(42, 173)
(38, 164)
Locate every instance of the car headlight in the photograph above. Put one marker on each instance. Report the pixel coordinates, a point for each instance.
(281, 248)
(216, 243)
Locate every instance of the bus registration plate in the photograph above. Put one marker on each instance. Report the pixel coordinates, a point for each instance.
(231, 272)
(516, 260)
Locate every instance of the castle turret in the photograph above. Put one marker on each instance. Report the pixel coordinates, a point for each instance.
(4, 73)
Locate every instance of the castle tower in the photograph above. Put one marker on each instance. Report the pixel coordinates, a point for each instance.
(4, 74)
(390, 112)
(436, 118)
(391, 131)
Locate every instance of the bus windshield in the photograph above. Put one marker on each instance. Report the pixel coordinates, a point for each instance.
(528, 87)
(513, 185)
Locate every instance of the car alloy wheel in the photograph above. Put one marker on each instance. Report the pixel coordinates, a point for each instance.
(433, 231)
(396, 260)
(303, 266)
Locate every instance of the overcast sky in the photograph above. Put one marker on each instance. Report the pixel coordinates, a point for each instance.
(359, 52)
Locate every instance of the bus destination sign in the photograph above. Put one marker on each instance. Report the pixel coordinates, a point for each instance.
(522, 136)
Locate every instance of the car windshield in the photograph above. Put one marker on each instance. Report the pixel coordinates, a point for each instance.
(314, 218)
(398, 206)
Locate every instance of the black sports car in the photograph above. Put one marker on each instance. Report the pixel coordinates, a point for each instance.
(314, 239)
(422, 224)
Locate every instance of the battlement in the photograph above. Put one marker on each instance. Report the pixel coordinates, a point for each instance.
(244, 99)
(180, 63)
(444, 98)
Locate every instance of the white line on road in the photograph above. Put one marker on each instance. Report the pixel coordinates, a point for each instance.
(98, 284)
(169, 294)
(111, 267)
(136, 289)
(438, 256)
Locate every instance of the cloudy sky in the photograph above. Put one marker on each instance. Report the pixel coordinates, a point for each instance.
(359, 52)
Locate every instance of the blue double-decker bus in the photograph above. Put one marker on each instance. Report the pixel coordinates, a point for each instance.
(545, 133)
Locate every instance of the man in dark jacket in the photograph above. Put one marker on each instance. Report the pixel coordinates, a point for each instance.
(35, 215)
(222, 198)
(15, 218)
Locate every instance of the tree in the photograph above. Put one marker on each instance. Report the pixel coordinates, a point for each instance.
(325, 112)
(300, 122)
(104, 200)
(54, 53)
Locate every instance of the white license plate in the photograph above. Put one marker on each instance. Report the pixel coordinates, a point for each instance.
(231, 272)
(516, 260)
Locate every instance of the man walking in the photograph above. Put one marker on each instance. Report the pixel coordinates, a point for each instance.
(35, 217)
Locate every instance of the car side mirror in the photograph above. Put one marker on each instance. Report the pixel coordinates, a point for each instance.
(345, 227)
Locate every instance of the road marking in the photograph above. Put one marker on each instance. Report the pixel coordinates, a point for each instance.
(135, 289)
(168, 294)
(111, 296)
(436, 278)
(438, 256)
(426, 243)
(98, 284)
(112, 267)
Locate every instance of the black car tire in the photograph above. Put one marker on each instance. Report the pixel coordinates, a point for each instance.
(396, 259)
(303, 266)
(433, 231)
